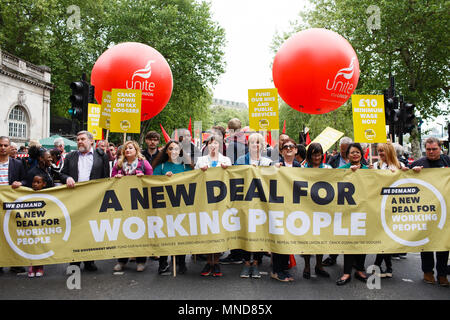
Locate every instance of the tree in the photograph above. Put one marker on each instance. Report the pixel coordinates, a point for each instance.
(340, 119)
(411, 42)
(221, 115)
(43, 32)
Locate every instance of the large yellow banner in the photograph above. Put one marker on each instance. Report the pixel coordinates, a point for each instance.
(284, 210)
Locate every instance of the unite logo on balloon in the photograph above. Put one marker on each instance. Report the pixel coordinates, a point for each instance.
(343, 89)
(146, 86)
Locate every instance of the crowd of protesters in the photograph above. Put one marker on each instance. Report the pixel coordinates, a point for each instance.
(47, 168)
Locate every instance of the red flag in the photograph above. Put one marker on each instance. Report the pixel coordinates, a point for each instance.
(292, 261)
(308, 139)
(284, 126)
(366, 155)
(190, 129)
(166, 136)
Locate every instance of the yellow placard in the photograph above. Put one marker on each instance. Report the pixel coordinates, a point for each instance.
(263, 109)
(369, 123)
(282, 210)
(328, 137)
(94, 111)
(126, 110)
(105, 114)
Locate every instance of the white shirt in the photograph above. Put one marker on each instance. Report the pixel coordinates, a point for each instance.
(85, 162)
(4, 173)
(206, 161)
(385, 166)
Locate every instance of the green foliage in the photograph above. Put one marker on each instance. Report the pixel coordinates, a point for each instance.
(412, 43)
(221, 115)
(181, 30)
(340, 119)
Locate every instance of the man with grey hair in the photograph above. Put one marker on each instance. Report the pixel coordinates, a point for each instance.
(84, 164)
(433, 159)
(13, 150)
(59, 145)
(399, 151)
(340, 159)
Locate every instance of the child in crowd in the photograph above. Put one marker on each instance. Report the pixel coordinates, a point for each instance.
(38, 183)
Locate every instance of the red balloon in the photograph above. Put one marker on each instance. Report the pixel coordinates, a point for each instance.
(315, 71)
(133, 65)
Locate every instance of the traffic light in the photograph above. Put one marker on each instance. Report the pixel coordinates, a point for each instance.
(388, 106)
(407, 116)
(79, 100)
(91, 98)
(395, 113)
(391, 109)
(391, 112)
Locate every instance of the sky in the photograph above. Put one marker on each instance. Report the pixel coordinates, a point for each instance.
(250, 26)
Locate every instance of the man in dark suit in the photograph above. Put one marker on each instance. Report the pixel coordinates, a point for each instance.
(85, 164)
(12, 173)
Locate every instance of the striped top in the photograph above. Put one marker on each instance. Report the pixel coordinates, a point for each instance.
(4, 173)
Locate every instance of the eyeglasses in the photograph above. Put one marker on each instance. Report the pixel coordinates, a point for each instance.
(289, 146)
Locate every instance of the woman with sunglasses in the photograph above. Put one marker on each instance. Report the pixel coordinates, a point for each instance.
(280, 262)
(314, 159)
(288, 151)
(167, 163)
(354, 153)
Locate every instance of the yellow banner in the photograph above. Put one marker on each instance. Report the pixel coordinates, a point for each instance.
(284, 210)
(105, 115)
(263, 109)
(94, 111)
(126, 110)
(369, 124)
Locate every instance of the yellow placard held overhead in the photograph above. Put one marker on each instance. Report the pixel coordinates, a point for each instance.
(126, 110)
(105, 114)
(369, 123)
(328, 137)
(94, 111)
(263, 109)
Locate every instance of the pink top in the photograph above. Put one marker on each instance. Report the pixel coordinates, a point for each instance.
(148, 170)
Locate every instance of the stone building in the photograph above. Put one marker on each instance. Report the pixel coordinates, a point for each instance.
(24, 99)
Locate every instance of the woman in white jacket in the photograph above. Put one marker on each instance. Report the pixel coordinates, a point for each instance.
(387, 161)
(213, 159)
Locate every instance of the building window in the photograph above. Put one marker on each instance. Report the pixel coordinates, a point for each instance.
(17, 123)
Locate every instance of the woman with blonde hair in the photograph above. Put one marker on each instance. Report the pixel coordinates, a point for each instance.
(131, 163)
(253, 157)
(387, 158)
(388, 161)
